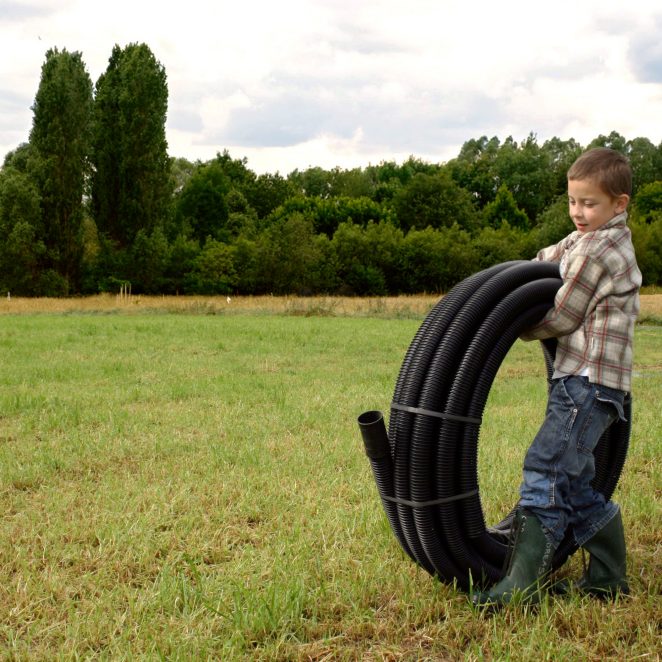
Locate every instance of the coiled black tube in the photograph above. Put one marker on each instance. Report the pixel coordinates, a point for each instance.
(428, 482)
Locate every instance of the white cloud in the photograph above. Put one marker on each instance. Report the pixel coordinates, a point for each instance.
(341, 82)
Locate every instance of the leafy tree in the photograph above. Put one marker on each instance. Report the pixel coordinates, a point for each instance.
(107, 153)
(242, 218)
(202, 205)
(473, 169)
(435, 260)
(533, 174)
(323, 271)
(385, 192)
(181, 262)
(354, 183)
(559, 156)
(327, 214)
(361, 211)
(111, 268)
(242, 223)
(131, 185)
(435, 201)
(413, 166)
(91, 245)
(386, 171)
(297, 204)
(236, 202)
(646, 162)
(319, 183)
(20, 255)
(267, 192)
(19, 200)
(496, 245)
(647, 240)
(223, 198)
(384, 242)
(388, 177)
(149, 258)
(21, 247)
(648, 200)
(214, 271)
(368, 258)
(287, 257)
(313, 182)
(236, 170)
(525, 170)
(387, 180)
(247, 265)
(614, 141)
(504, 208)
(21, 158)
(60, 137)
(357, 271)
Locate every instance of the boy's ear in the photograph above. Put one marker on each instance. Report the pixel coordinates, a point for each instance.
(622, 202)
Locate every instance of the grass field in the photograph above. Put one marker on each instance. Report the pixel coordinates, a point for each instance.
(186, 483)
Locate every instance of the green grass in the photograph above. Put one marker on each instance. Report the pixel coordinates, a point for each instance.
(194, 487)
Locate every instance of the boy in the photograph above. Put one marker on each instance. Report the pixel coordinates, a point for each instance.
(593, 319)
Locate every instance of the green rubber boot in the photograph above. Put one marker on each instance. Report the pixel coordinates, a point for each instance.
(606, 575)
(528, 567)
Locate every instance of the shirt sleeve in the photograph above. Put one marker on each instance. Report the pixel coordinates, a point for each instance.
(555, 252)
(572, 301)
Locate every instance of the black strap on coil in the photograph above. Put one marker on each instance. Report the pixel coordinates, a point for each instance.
(434, 502)
(436, 414)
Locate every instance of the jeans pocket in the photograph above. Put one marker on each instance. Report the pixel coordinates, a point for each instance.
(610, 399)
(601, 410)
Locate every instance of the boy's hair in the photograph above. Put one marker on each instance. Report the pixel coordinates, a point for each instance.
(609, 169)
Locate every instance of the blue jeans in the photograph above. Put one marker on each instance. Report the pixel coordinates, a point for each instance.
(559, 465)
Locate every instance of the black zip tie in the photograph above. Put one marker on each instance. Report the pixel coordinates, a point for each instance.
(436, 414)
(434, 502)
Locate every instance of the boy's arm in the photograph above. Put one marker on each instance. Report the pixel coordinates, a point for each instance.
(554, 253)
(571, 302)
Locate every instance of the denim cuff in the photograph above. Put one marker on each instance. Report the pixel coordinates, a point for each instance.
(583, 536)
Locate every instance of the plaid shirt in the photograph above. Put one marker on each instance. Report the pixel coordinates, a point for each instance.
(596, 306)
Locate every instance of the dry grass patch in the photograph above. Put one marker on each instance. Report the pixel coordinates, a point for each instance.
(406, 306)
(315, 306)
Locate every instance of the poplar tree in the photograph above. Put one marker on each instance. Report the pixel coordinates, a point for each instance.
(60, 138)
(131, 183)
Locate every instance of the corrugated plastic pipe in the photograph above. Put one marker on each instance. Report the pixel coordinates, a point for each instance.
(426, 466)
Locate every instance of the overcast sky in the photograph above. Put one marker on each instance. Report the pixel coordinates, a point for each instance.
(298, 83)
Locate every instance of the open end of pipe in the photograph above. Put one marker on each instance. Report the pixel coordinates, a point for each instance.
(375, 437)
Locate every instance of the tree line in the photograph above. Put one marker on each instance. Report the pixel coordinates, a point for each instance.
(92, 201)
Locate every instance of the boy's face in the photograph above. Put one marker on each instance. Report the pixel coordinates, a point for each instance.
(590, 207)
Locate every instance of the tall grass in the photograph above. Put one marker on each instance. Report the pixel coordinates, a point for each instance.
(414, 306)
(193, 487)
(411, 306)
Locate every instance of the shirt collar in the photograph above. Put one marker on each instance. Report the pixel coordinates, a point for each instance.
(618, 221)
